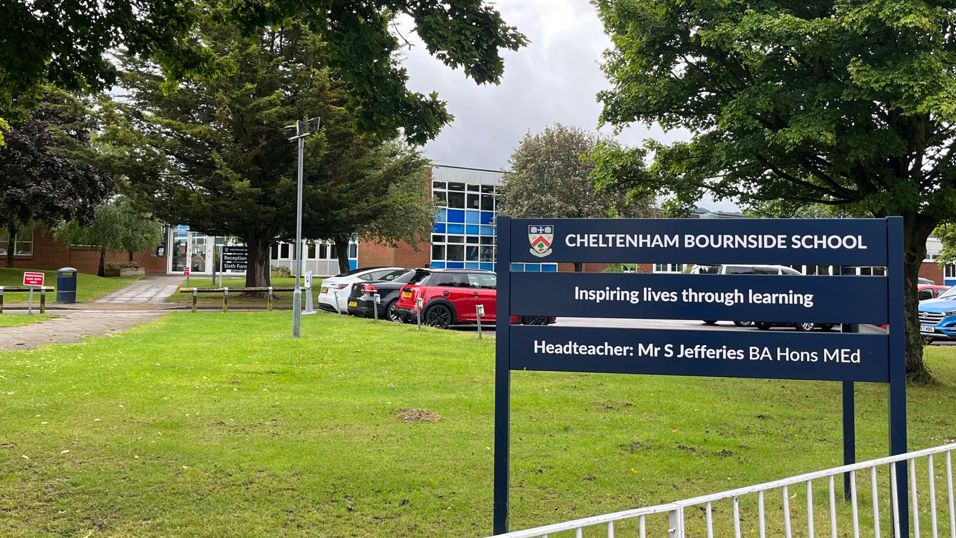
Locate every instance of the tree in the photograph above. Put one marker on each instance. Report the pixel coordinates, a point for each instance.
(46, 173)
(69, 43)
(839, 103)
(116, 225)
(551, 177)
(213, 154)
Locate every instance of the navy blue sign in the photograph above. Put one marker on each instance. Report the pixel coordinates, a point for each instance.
(790, 355)
(786, 354)
(818, 299)
(702, 241)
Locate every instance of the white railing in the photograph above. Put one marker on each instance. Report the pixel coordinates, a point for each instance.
(774, 502)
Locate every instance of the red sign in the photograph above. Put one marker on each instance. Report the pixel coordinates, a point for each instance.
(186, 272)
(33, 279)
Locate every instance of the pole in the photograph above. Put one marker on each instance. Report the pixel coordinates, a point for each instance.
(297, 293)
(849, 409)
(502, 378)
(30, 302)
(897, 326)
(479, 310)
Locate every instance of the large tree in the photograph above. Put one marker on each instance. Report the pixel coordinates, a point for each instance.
(46, 170)
(69, 43)
(550, 176)
(846, 103)
(213, 155)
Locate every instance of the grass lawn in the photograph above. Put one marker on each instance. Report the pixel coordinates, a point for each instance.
(19, 320)
(217, 424)
(88, 287)
(282, 299)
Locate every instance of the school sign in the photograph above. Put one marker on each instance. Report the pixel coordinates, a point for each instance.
(840, 300)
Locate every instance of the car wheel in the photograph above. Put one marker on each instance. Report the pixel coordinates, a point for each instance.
(803, 327)
(390, 313)
(438, 316)
(826, 326)
(763, 326)
(710, 322)
(744, 323)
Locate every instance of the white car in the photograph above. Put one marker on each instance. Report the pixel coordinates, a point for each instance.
(334, 293)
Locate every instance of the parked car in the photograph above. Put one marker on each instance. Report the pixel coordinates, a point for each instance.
(930, 291)
(925, 281)
(362, 298)
(333, 294)
(450, 297)
(737, 269)
(937, 317)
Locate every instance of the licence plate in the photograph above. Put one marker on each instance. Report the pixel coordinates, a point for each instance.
(353, 304)
(325, 290)
(926, 329)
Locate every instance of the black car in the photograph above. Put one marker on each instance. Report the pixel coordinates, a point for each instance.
(362, 295)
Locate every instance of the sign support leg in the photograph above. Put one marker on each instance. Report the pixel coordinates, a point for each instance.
(849, 434)
(30, 302)
(897, 353)
(502, 377)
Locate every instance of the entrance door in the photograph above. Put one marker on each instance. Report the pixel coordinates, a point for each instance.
(199, 258)
(190, 249)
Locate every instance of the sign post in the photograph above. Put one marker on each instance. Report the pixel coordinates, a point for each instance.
(32, 280)
(846, 357)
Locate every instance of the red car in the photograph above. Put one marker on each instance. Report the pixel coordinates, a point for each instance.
(451, 297)
(930, 291)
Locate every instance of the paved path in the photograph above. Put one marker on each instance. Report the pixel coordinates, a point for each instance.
(69, 327)
(147, 290)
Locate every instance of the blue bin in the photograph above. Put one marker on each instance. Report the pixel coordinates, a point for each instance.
(66, 285)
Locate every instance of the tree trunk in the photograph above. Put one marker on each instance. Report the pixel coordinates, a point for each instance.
(130, 252)
(101, 269)
(342, 253)
(916, 229)
(258, 271)
(11, 234)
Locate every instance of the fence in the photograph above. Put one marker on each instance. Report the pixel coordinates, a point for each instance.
(269, 291)
(877, 514)
(26, 289)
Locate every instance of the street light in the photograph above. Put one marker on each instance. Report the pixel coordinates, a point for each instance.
(298, 132)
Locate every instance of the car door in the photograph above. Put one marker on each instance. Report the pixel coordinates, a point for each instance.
(487, 294)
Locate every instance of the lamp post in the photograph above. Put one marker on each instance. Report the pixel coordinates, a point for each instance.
(298, 132)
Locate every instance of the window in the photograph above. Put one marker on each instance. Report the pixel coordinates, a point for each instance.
(949, 270)
(22, 243)
(482, 280)
(463, 226)
(923, 295)
(668, 267)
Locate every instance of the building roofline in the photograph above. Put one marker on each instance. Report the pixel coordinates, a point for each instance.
(469, 168)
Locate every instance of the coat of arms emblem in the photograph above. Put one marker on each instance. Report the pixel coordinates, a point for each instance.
(540, 237)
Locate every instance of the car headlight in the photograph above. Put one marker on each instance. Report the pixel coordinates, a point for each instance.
(951, 313)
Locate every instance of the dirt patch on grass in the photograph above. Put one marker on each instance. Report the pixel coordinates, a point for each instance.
(409, 416)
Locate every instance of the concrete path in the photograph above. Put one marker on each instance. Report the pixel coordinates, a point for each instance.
(69, 327)
(147, 290)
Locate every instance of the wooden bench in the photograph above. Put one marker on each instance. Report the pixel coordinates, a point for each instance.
(270, 291)
(27, 289)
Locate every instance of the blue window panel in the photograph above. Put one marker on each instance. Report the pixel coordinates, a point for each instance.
(455, 265)
(437, 265)
(353, 264)
(441, 215)
(487, 217)
(438, 228)
(456, 229)
(518, 267)
(486, 230)
(532, 267)
(549, 267)
(488, 266)
(472, 216)
(471, 229)
(456, 215)
(471, 265)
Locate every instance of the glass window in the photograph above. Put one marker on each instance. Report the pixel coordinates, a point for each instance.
(487, 202)
(441, 198)
(438, 185)
(472, 217)
(353, 250)
(283, 251)
(456, 228)
(474, 201)
(474, 188)
(456, 239)
(472, 239)
(482, 280)
(450, 280)
(438, 238)
(438, 228)
(456, 200)
(310, 253)
(485, 240)
(456, 252)
(471, 253)
(487, 254)
(456, 215)
(456, 187)
(487, 189)
(486, 217)
(923, 295)
(22, 243)
(438, 252)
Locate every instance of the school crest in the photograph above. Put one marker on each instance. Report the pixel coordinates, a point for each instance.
(540, 237)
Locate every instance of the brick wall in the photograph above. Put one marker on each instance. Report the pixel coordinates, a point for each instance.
(402, 255)
(48, 253)
(932, 271)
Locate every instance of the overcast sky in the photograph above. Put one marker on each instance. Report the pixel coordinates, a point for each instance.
(555, 79)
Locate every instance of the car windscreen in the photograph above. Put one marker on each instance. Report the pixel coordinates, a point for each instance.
(949, 294)
(395, 275)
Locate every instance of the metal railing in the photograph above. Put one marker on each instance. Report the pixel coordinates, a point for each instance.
(774, 504)
(42, 290)
(269, 291)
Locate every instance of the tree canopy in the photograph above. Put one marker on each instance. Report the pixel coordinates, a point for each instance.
(69, 43)
(837, 103)
(46, 170)
(213, 154)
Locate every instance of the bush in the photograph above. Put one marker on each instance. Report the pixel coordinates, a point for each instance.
(280, 271)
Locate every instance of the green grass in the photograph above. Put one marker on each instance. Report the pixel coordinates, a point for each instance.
(222, 425)
(88, 287)
(19, 320)
(282, 299)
